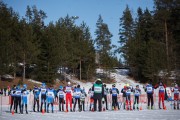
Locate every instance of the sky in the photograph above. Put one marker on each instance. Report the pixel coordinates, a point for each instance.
(87, 11)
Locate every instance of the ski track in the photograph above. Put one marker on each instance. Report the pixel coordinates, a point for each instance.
(112, 115)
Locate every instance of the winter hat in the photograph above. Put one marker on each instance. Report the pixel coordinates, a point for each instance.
(98, 79)
(69, 83)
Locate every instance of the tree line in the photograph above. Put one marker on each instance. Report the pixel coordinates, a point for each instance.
(44, 49)
(148, 43)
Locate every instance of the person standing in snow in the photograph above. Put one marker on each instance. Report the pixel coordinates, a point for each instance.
(176, 91)
(50, 98)
(162, 88)
(98, 94)
(149, 89)
(123, 91)
(12, 93)
(105, 95)
(137, 92)
(114, 91)
(77, 94)
(36, 92)
(18, 95)
(43, 91)
(25, 94)
(82, 100)
(68, 91)
(128, 97)
(91, 94)
(61, 98)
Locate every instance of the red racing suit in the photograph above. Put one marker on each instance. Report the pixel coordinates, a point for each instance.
(162, 88)
(68, 91)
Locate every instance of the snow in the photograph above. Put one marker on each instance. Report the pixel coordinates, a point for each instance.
(121, 79)
(33, 81)
(112, 115)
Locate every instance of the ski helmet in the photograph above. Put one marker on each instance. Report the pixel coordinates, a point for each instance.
(60, 87)
(43, 84)
(25, 86)
(69, 83)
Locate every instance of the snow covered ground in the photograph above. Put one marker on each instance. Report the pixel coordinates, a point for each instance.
(107, 115)
(121, 79)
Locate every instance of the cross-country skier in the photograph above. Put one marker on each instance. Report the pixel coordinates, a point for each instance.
(61, 98)
(91, 94)
(50, 98)
(176, 91)
(128, 97)
(18, 94)
(12, 93)
(162, 88)
(36, 92)
(43, 91)
(137, 92)
(98, 94)
(24, 98)
(114, 91)
(77, 94)
(105, 95)
(149, 89)
(82, 100)
(68, 91)
(123, 91)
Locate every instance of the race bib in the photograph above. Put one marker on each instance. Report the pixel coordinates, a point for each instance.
(114, 92)
(61, 93)
(161, 88)
(149, 89)
(128, 91)
(97, 89)
(176, 90)
(18, 93)
(68, 89)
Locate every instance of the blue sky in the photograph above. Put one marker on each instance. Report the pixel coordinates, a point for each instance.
(87, 10)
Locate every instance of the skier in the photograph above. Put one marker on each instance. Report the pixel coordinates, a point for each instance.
(137, 92)
(162, 88)
(114, 91)
(12, 93)
(61, 98)
(105, 95)
(82, 100)
(176, 91)
(98, 94)
(36, 92)
(68, 91)
(124, 96)
(56, 96)
(24, 98)
(128, 97)
(18, 98)
(43, 91)
(150, 91)
(77, 94)
(50, 98)
(91, 94)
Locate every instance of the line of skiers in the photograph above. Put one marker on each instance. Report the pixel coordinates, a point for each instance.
(98, 94)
